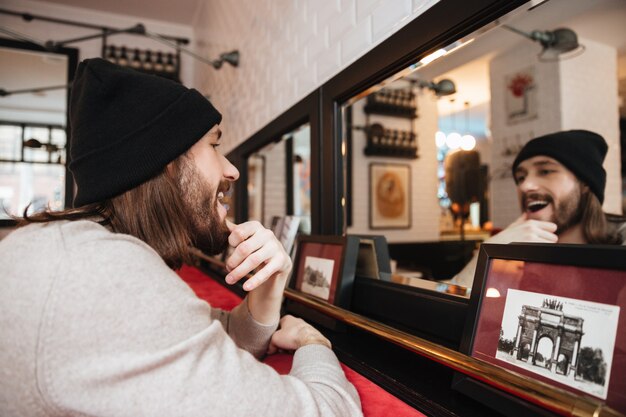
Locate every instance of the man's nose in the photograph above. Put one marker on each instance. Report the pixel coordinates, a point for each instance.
(231, 172)
(528, 184)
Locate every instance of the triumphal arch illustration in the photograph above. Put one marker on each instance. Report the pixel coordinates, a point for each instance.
(549, 321)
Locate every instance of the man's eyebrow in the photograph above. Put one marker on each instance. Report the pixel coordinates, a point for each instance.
(543, 162)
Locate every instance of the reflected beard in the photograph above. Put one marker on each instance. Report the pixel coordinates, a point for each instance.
(568, 212)
(209, 233)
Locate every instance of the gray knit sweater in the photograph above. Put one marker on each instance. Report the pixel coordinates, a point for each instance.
(93, 323)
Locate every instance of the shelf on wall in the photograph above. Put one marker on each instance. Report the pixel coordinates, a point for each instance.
(407, 112)
(395, 151)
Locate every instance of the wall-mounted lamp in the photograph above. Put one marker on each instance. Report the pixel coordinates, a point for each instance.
(231, 57)
(37, 90)
(444, 87)
(558, 44)
(35, 144)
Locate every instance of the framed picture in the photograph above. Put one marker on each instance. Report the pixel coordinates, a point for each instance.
(555, 313)
(390, 196)
(324, 267)
(521, 96)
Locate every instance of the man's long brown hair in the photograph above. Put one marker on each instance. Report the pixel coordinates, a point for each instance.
(153, 212)
(594, 221)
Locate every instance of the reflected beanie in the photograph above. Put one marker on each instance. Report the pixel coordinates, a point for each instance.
(580, 151)
(127, 126)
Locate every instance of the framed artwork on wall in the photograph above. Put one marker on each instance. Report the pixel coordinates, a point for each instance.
(553, 313)
(390, 196)
(521, 96)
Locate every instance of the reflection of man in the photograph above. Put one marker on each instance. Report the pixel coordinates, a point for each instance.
(560, 185)
(94, 321)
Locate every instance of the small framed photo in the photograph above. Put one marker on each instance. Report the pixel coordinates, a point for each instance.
(390, 196)
(324, 267)
(554, 313)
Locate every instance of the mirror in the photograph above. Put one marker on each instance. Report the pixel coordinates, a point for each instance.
(279, 180)
(33, 137)
(430, 148)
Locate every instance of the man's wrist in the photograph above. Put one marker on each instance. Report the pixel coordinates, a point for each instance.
(315, 339)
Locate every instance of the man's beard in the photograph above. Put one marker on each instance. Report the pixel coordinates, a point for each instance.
(568, 211)
(210, 234)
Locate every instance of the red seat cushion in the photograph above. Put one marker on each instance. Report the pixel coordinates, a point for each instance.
(376, 401)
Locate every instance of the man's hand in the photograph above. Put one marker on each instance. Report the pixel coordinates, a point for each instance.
(295, 333)
(255, 246)
(525, 230)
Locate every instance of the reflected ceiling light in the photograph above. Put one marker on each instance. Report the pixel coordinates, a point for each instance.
(443, 87)
(560, 43)
(492, 293)
(440, 139)
(431, 57)
(453, 140)
(468, 142)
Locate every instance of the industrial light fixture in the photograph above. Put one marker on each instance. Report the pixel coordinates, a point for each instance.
(37, 90)
(231, 57)
(444, 87)
(557, 44)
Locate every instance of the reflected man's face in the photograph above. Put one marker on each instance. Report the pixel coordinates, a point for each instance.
(549, 191)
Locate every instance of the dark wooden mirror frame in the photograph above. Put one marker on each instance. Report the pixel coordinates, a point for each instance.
(437, 27)
(305, 111)
(72, 63)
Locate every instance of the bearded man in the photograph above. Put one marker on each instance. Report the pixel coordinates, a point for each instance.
(560, 186)
(94, 319)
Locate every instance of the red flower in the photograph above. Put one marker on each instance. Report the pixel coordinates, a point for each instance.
(519, 84)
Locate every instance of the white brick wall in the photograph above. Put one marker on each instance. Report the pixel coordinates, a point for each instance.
(288, 48)
(571, 94)
(589, 100)
(274, 201)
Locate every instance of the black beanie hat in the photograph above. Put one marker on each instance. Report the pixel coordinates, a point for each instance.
(127, 126)
(580, 151)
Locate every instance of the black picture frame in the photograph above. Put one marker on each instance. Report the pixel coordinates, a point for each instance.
(332, 258)
(373, 260)
(593, 272)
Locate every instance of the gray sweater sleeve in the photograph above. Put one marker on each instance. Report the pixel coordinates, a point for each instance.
(122, 335)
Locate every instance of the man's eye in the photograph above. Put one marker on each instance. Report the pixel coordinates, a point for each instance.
(545, 171)
(519, 179)
(215, 145)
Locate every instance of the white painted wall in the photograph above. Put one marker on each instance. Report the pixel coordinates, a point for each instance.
(288, 48)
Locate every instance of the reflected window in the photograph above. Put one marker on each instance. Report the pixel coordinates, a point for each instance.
(32, 169)
(32, 132)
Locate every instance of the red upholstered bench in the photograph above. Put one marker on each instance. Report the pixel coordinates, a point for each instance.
(376, 401)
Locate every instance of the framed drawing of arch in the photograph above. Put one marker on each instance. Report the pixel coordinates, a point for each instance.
(554, 313)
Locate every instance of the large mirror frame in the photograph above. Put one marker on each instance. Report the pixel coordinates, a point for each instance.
(440, 25)
(305, 111)
(72, 63)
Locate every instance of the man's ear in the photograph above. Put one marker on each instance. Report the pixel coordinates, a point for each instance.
(171, 169)
(584, 188)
